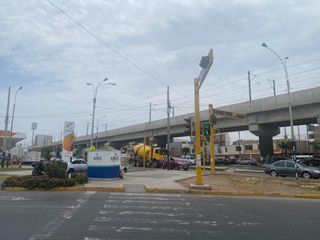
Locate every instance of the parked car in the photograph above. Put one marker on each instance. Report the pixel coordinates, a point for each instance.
(311, 162)
(247, 161)
(222, 161)
(78, 165)
(287, 168)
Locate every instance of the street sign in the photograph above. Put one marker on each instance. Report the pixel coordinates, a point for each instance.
(92, 148)
(34, 126)
(205, 64)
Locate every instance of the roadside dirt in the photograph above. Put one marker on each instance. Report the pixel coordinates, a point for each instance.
(242, 184)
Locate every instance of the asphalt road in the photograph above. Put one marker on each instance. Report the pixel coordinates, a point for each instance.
(119, 216)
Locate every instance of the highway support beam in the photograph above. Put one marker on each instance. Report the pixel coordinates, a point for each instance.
(265, 134)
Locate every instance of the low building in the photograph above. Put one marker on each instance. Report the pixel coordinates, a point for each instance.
(12, 138)
(42, 140)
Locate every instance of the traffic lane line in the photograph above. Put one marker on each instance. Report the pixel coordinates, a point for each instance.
(49, 229)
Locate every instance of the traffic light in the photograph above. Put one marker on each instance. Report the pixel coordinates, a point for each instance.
(204, 62)
(189, 126)
(206, 129)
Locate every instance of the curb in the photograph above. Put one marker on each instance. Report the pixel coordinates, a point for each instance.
(248, 171)
(253, 194)
(222, 193)
(219, 169)
(119, 188)
(164, 190)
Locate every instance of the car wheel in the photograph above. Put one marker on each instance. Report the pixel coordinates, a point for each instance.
(274, 173)
(71, 171)
(125, 170)
(306, 175)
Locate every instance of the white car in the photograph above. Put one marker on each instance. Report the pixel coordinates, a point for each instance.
(189, 159)
(78, 165)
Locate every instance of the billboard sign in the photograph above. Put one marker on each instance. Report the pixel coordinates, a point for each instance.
(68, 140)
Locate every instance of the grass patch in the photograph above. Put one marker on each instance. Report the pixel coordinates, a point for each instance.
(5, 175)
(11, 169)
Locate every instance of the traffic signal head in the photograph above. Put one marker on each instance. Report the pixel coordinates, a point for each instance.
(204, 62)
(206, 129)
(188, 126)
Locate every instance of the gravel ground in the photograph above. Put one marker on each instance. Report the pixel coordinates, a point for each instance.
(238, 184)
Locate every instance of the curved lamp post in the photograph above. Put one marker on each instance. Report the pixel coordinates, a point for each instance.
(284, 64)
(95, 92)
(12, 118)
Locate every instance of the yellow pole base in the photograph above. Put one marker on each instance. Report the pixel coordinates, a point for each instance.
(199, 176)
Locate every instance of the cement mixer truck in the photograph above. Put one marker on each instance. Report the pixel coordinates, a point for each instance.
(154, 156)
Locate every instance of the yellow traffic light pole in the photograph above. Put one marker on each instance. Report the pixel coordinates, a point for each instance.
(205, 64)
(197, 132)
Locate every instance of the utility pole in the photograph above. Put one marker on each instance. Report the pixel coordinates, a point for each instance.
(173, 111)
(239, 146)
(151, 137)
(273, 86)
(249, 83)
(87, 128)
(150, 106)
(6, 121)
(168, 128)
(308, 142)
(97, 134)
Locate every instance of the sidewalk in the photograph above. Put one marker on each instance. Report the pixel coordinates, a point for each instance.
(151, 179)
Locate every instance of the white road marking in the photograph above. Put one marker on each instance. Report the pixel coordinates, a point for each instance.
(48, 230)
(155, 221)
(112, 206)
(147, 194)
(153, 230)
(8, 198)
(147, 201)
(143, 213)
(26, 206)
(143, 198)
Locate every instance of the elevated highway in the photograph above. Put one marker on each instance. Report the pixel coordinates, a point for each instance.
(263, 117)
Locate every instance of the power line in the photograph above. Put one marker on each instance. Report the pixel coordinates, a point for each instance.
(109, 46)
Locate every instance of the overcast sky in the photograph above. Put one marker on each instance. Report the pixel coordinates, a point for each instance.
(147, 45)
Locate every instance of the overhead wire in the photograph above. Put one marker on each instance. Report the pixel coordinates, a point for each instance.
(129, 61)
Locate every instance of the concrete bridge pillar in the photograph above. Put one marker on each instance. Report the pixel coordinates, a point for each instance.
(265, 134)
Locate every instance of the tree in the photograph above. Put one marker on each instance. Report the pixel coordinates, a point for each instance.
(185, 151)
(284, 145)
(316, 147)
(46, 153)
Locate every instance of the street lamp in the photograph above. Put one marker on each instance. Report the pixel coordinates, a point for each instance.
(284, 64)
(12, 118)
(95, 91)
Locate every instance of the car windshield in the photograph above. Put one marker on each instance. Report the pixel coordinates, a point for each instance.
(301, 164)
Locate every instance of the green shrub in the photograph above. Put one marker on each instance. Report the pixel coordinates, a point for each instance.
(56, 169)
(80, 178)
(38, 182)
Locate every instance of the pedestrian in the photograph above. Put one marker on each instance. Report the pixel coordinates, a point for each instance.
(8, 158)
(2, 158)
